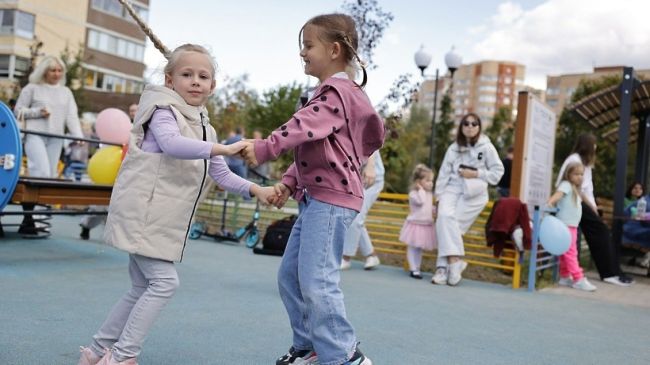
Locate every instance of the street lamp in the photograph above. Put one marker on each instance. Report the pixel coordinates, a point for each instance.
(453, 62)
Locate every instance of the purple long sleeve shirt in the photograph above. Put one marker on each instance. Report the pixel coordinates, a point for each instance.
(163, 136)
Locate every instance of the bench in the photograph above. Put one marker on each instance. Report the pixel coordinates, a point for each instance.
(607, 208)
(387, 215)
(384, 222)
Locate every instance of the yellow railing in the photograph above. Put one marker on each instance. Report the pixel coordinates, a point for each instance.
(387, 215)
(384, 222)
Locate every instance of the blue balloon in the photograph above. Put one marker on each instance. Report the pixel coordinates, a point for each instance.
(554, 235)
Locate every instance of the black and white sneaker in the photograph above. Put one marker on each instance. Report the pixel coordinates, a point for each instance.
(298, 357)
(358, 359)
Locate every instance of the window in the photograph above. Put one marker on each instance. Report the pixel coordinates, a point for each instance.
(16, 22)
(113, 7)
(5, 61)
(570, 91)
(13, 66)
(21, 66)
(553, 91)
(488, 88)
(99, 81)
(486, 110)
(104, 82)
(487, 99)
(114, 45)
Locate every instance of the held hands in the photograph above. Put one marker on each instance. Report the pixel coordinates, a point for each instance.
(282, 193)
(266, 195)
(227, 150)
(276, 195)
(248, 152)
(45, 113)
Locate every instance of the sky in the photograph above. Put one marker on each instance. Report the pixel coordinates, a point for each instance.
(550, 37)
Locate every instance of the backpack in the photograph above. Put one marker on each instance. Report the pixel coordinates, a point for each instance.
(276, 237)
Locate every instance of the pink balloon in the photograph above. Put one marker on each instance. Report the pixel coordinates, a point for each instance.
(113, 125)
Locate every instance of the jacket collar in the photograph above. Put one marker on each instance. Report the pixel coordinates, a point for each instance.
(162, 97)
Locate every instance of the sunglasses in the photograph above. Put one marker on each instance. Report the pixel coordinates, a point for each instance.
(467, 124)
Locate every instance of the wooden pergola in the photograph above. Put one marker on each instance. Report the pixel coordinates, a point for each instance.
(621, 114)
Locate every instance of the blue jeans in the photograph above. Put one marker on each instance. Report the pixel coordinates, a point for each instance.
(309, 278)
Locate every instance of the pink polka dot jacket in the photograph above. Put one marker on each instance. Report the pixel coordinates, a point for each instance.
(331, 136)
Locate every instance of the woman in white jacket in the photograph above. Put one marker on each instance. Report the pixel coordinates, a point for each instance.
(470, 164)
(47, 105)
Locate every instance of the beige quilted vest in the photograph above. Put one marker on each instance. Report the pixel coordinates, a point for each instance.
(155, 196)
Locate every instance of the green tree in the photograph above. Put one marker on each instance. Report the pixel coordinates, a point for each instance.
(371, 21)
(501, 131)
(230, 106)
(274, 109)
(405, 146)
(74, 76)
(444, 127)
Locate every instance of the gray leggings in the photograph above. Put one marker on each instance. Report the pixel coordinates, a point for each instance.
(153, 282)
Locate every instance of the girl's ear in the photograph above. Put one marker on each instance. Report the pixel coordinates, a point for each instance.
(168, 81)
(214, 84)
(335, 50)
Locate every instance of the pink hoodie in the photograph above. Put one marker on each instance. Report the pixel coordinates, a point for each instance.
(332, 135)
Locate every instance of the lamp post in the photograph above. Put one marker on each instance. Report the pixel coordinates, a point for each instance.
(422, 60)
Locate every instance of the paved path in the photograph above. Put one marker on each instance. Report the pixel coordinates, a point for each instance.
(56, 292)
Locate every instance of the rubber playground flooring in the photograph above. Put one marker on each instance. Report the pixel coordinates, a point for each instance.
(56, 292)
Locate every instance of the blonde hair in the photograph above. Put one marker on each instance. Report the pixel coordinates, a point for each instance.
(419, 172)
(567, 173)
(38, 75)
(339, 28)
(172, 58)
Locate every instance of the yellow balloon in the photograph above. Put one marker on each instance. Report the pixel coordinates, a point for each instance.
(104, 165)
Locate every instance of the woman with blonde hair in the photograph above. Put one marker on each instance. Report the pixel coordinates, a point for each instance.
(47, 105)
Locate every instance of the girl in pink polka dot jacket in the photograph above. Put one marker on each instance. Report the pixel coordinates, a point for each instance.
(331, 136)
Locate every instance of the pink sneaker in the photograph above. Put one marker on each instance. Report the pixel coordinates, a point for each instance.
(108, 360)
(88, 357)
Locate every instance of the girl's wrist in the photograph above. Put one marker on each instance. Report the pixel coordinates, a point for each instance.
(217, 149)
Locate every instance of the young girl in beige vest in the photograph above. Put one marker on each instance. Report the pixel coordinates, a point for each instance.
(172, 149)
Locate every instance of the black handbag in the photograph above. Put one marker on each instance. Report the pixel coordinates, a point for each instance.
(276, 237)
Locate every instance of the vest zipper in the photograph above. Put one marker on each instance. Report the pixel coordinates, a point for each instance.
(196, 202)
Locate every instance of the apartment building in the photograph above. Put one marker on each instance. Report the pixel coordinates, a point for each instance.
(560, 88)
(112, 45)
(426, 92)
(26, 23)
(485, 86)
(480, 88)
(113, 54)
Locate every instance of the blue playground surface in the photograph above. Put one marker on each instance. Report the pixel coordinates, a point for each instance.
(57, 291)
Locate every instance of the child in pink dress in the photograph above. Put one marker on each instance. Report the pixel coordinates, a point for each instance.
(418, 231)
